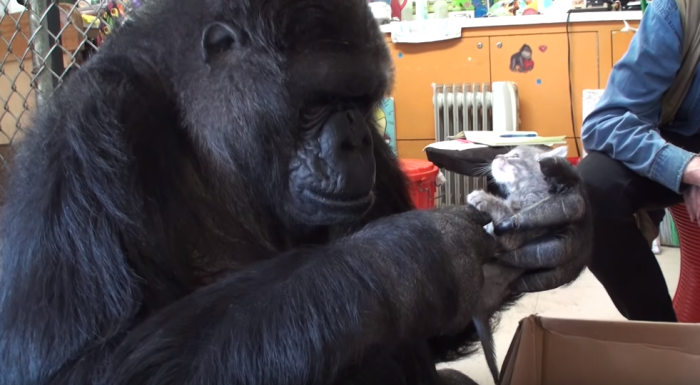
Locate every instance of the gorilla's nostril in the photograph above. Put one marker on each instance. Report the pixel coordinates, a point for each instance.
(347, 145)
(351, 118)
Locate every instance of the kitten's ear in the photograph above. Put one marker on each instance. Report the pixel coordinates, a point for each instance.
(557, 152)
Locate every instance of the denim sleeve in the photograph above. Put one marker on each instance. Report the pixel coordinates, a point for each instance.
(624, 124)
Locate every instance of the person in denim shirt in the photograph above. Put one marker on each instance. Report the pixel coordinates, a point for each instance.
(634, 164)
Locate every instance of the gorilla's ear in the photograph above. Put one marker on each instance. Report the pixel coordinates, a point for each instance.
(218, 38)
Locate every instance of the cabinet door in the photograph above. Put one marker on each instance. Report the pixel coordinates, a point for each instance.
(418, 66)
(620, 43)
(539, 65)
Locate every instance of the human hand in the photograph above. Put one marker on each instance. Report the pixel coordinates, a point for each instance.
(691, 197)
(691, 174)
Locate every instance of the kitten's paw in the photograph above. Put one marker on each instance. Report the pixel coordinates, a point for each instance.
(477, 198)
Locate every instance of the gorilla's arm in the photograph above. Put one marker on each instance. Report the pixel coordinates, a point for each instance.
(304, 316)
(66, 287)
(559, 258)
(97, 266)
(85, 259)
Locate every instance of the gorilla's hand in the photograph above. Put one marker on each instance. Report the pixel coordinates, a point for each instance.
(559, 258)
(462, 248)
(549, 262)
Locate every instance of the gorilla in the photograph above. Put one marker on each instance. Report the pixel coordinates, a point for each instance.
(206, 201)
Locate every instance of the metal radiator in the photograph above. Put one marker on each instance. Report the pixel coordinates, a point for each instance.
(457, 108)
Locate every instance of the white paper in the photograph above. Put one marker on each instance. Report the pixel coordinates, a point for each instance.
(423, 31)
(454, 145)
(512, 138)
(590, 100)
(491, 136)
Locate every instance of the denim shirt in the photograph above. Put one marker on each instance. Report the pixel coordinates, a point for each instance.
(624, 124)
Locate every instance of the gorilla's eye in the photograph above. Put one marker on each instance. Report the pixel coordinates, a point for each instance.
(364, 105)
(314, 115)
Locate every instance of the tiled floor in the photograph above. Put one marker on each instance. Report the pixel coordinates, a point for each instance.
(585, 299)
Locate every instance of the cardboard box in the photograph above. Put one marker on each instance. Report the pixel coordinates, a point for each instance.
(551, 351)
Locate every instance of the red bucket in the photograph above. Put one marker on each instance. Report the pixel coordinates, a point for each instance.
(423, 176)
(687, 299)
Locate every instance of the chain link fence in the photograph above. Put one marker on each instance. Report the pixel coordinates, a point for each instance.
(41, 42)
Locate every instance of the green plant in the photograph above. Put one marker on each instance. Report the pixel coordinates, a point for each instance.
(464, 4)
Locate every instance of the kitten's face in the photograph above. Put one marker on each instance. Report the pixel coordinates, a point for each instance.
(521, 164)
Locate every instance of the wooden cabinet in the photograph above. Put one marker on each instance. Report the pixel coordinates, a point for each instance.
(620, 43)
(484, 55)
(418, 66)
(557, 60)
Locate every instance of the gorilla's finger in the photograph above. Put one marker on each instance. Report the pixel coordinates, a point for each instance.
(545, 280)
(453, 377)
(479, 217)
(554, 211)
(559, 171)
(547, 253)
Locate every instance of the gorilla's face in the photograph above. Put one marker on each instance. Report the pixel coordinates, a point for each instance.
(301, 100)
(332, 171)
(331, 176)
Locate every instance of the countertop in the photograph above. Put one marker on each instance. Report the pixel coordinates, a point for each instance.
(486, 22)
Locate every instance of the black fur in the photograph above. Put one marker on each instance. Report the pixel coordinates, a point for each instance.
(152, 235)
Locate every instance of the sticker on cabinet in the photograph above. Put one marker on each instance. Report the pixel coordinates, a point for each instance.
(386, 122)
(522, 61)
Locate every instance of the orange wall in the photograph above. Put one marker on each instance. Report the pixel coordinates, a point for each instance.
(483, 55)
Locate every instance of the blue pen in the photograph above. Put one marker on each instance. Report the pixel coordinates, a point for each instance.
(519, 136)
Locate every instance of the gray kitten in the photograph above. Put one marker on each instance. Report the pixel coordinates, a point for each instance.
(519, 173)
